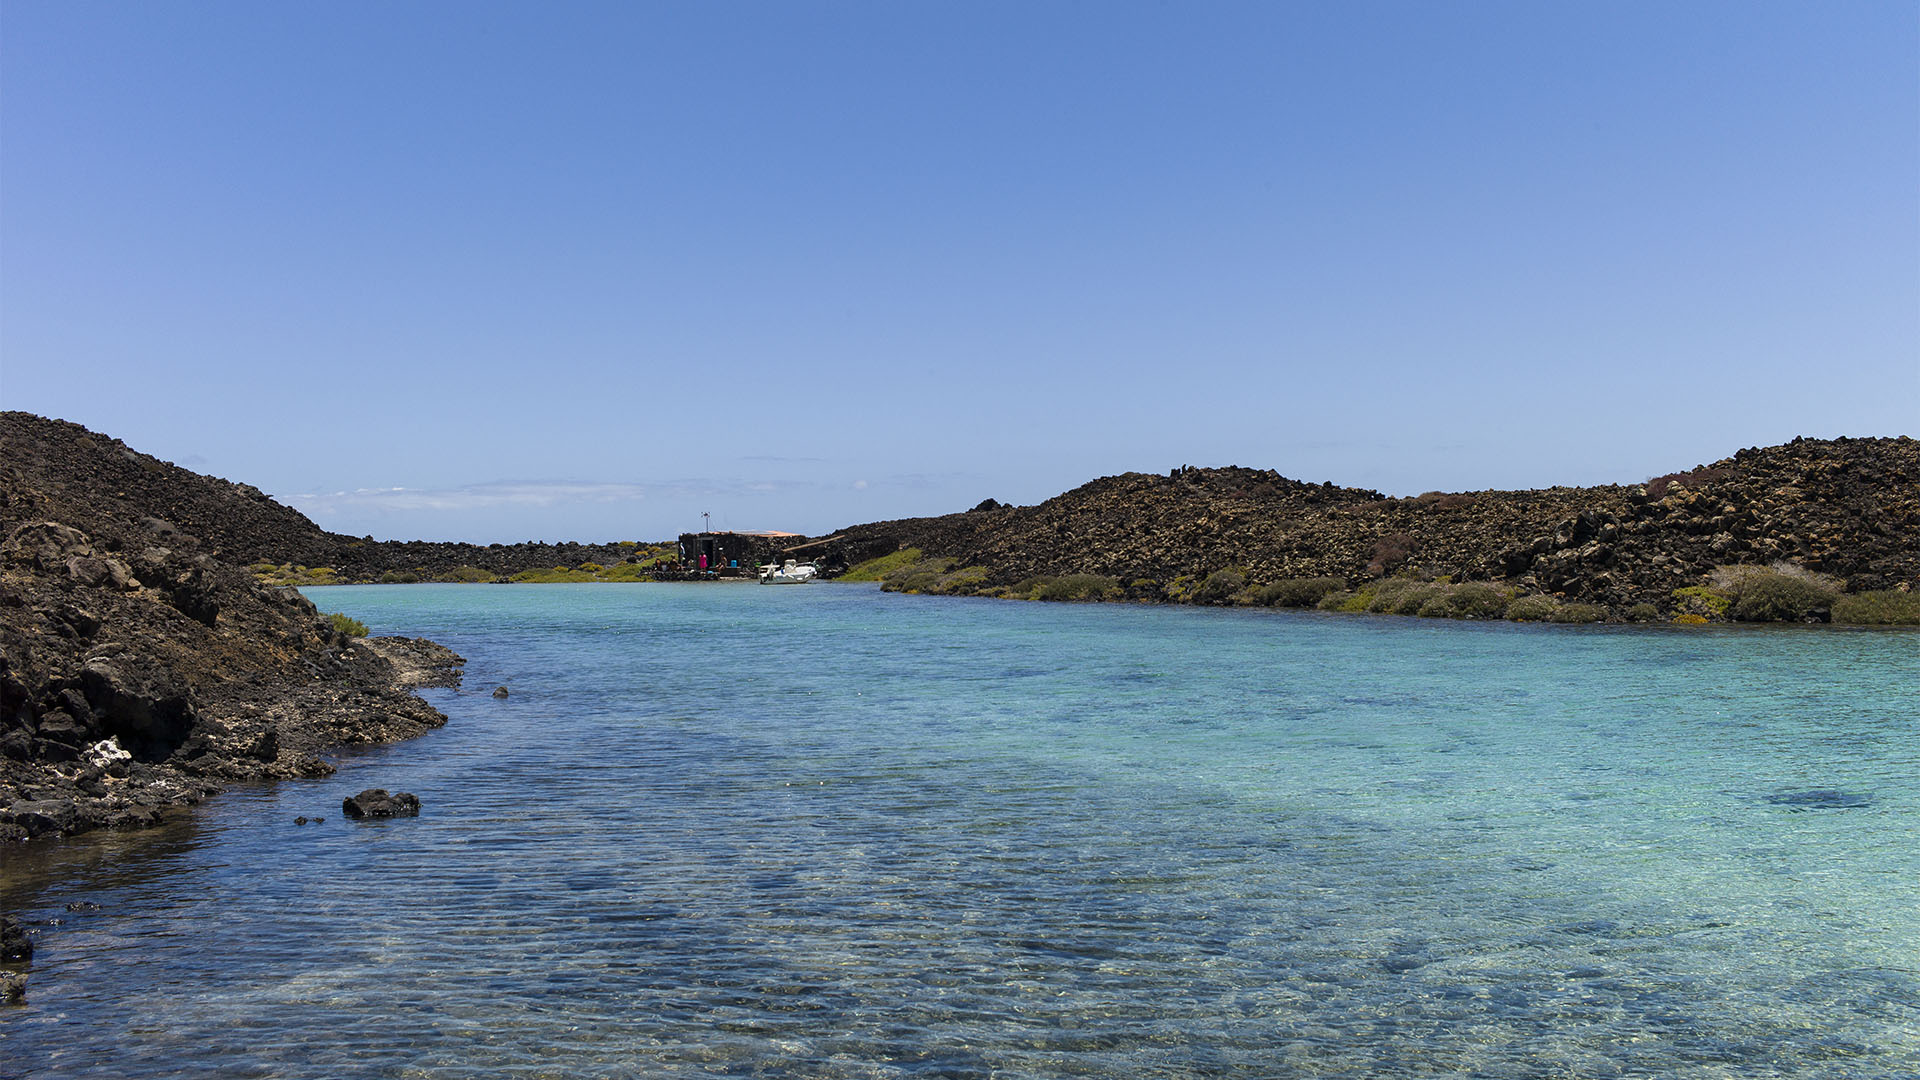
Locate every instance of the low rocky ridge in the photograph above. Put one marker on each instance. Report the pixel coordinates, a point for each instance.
(1845, 508)
(140, 671)
(53, 463)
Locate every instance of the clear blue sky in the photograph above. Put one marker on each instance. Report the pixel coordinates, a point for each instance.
(510, 271)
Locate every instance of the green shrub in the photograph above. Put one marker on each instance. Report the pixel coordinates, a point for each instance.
(627, 572)
(348, 625)
(1578, 613)
(876, 569)
(1533, 607)
(1352, 602)
(1299, 592)
(1403, 596)
(1884, 607)
(1782, 592)
(399, 577)
(1219, 587)
(917, 577)
(1781, 598)
(965, 581)
(1470, 600)
(1076, 587)
(1774, 595)
(469, 575)
(1643, 613)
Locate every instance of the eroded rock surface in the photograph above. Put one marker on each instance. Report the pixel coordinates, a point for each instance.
(141, 668)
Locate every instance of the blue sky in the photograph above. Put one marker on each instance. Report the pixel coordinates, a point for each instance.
(510, 271)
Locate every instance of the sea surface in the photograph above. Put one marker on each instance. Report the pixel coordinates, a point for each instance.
(828, 832)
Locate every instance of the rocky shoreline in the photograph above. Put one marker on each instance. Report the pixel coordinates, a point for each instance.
(142, 670)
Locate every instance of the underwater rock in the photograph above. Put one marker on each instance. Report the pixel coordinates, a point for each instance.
(13, 988)
(1823, 799)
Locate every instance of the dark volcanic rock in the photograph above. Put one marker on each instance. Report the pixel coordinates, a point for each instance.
(1849, 508)
(140, 668)
(14, 943)
(376, 803)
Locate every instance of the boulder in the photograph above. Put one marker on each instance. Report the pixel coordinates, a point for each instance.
(13, 988)
(46, 544)
(150, 716)
(14, 943)
(376, 803)
(42, 817)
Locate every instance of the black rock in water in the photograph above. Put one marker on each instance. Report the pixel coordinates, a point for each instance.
(376, 803)
(14, 943)
(499, 691)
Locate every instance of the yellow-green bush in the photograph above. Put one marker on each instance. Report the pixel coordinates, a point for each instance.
(876, 569)
(348, 625)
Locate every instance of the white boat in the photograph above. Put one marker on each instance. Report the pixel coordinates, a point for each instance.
(792, 573)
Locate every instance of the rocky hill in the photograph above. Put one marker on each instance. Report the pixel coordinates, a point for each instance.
(60, 464)
(140, 666)
(1845, 508)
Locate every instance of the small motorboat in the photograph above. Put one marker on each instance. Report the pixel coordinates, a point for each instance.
(789, 573)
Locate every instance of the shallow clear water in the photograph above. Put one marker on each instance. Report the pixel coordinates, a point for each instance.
(821, 831)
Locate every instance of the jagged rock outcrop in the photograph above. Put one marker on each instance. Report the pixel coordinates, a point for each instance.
(139, 668)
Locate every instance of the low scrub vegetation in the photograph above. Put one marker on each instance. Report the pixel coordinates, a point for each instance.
(557, 575)
(294, 574)
(936, 576)
(1782, 592)
(1066, 587)
(878, 569)
(1298, 592)
(1578, 613)
(1883, 607)
(348, 625)
(1220, 587)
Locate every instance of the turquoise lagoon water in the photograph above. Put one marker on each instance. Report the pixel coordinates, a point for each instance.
(829, 832)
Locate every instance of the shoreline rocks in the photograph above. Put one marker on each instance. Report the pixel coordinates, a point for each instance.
(140, 668)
